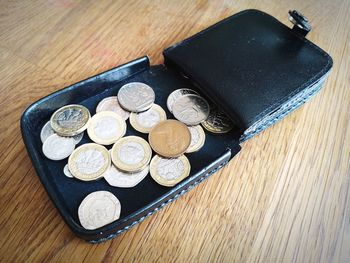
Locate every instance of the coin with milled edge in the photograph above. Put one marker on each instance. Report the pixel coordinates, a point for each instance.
(98, 209)
(118, 178)
(175, 95)
(169, 172)
(70, 120)
(136, 96)
(57, 147)
(131, 154)
(217, 122)
(89, 161)
(47, 131)
(170, 138)
(146, 120)
(191, 109)
(197, 138)
(67, 172)
(112, 104)
(106, 127)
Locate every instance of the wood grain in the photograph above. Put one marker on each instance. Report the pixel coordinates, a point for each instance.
(284, 198)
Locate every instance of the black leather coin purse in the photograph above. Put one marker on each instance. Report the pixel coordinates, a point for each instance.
(250, 65)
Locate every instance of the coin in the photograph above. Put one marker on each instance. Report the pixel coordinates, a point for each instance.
(197, 138)
(47, 130)
(57, 147)
(67, 172)
(191, 109)
(118, 178)
(112, 104)
(146, 120)
(89, 161)
(217, 122)
(106, 127)
(131, 154)
(176, 94)
(70, 120)
(170, 138)
(136, 96)
(98, 209)
(168, 172)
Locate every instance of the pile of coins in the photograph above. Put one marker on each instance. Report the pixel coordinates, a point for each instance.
(129, 160)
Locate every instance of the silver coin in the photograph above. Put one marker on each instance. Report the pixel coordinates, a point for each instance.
(175, 95)
(112, 104)
(98, 209)
(118, 178)
(57, 147)
(67, 172)
(136, 96)
(47, 131)
(191, 109)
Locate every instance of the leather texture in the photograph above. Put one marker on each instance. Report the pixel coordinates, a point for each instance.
(253, 66)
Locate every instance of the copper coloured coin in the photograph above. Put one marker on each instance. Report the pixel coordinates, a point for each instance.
(170, 138)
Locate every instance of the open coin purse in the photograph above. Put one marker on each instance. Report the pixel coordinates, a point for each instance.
(250, 65)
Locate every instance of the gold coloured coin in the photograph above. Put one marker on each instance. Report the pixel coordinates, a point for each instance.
(146, 120)
(131, 154)
(70, 120)
(169, 172)
(217, 122)
(89, 161)
(106, 127)
(197, 138)
(170, 138)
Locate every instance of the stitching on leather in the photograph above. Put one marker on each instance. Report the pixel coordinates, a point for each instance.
(191, 186)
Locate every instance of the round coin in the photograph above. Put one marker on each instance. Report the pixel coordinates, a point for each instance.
(57, 147)
(136, 96)
(168, 172)
(89, 161)
(217, 122)
(175, 95)
(67, 172)
(106, 127)
(191, 109)
(70, 120)
(131, 154)
(98, 209)
(47, 130)
(112, 104)
(170, 138)
(146, 120)
(118, 178)
(197, 138)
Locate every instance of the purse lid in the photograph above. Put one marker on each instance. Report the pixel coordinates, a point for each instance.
(251, 65)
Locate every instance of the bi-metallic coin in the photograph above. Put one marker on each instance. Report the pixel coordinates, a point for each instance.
(136, 96)
(112, 104)
(70, 120)
(98, 209)
(197, 138)
(47, 130)
(191, 109)
(146, 120)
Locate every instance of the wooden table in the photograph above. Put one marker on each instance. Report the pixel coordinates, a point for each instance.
(285, 197)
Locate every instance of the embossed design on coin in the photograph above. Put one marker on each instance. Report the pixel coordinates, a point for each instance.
(112, 104)
(67, 172)
(168, 172)
(170, 138)
(47, 131)
(197, 138)
(136, 96)
(217, 122)
(57, 147)
(98, 209)
(175, 95)
(146, 120)
(70, 120)
(118, 178)
(131, 154)
(89, 161)
(191, 109)
(106, 127)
